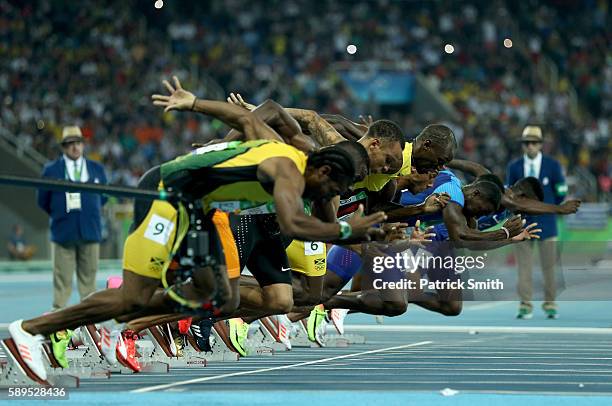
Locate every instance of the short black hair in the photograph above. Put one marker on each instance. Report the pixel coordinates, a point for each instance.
(530, 187)
(387, 131)
(342, 163)
(440, 136)
(489, 191)
(360, 157)
(494, 179)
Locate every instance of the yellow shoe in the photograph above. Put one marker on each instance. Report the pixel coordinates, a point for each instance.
(317, 316)
(238, 332)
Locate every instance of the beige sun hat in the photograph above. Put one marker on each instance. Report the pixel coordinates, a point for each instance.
(71, 133)
(532, 133)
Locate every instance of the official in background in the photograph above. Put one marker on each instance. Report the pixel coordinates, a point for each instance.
(75, 219)
(549, 172)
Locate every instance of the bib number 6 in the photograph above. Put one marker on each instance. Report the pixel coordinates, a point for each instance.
(313, 247)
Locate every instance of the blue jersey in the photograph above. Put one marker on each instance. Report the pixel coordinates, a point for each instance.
(492, 220)
(445, 182)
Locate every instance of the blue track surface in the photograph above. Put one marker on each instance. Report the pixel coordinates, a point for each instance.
(565, 362)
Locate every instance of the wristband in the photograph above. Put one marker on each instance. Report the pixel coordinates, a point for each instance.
(195, 99)
(345, 230)
(507, 232)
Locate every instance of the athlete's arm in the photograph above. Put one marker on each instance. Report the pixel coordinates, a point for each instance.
(320, 130)
(325, 211)
(348, 129)
(535, 207)
(236, 117)
(433, 204)
(470, 167)
(465, 236)
(379, 200)
(458, 229)
(276, 117)
(294, 223)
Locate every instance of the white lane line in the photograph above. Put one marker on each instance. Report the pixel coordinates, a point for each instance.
(480, 329)
(257, 371)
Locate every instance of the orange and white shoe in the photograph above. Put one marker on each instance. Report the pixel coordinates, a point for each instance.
(30, 348)
(337, 317)
(110, 341)
(128, 337)
(284, 330)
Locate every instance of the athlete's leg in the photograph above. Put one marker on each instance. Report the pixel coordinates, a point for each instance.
(134, 293)
(389, 303)
(307, 290)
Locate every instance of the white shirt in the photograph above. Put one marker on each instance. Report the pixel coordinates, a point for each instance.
(80, 163)
(536, 162)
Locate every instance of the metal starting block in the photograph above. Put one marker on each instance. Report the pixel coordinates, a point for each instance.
(159, 349)
(300, 339)
(162, 349)
(15, 372)
(263, 341)
(343, 340)
(90, 337)
(85, 361)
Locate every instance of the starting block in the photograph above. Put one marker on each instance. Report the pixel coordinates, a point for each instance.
(163, 350)
(343, 340)
(84, 361)
(300, 338)
(263, 340)
(328, 340)
(92, 357)
(160, 349)
(15, 372)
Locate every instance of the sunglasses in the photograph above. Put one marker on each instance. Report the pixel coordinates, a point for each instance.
(531, 142)
(69, 143)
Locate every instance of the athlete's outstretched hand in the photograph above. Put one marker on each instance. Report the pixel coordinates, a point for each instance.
(424, 235)
(514, 225)
(569, 206)
(179, 99)
(236, 98)
(362, 226)
(528, 233)
(366, 120)
(395, 231)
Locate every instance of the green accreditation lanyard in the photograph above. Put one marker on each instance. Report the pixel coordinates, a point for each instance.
(77, 172)
(308, 207)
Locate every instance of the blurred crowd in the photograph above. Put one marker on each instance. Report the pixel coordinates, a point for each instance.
(96, 64)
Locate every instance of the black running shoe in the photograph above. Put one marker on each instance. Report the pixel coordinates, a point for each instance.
(201, 333)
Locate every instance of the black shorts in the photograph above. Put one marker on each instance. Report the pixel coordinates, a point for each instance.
(261, 248)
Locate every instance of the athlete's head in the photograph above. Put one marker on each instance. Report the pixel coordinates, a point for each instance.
(433, 148)
(384, 142)
(482, 197)
(331, 171)
(494, 179)
(529, 187)
(360, 157)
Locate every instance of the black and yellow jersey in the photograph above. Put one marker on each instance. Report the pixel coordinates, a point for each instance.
(224, 175)
(372, 183)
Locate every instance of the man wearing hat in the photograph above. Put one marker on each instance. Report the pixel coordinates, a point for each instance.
(75, 219)
(548, 171)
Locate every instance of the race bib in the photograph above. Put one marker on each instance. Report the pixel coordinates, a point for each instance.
(73, 202)
(313, 247)
(159, 229)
